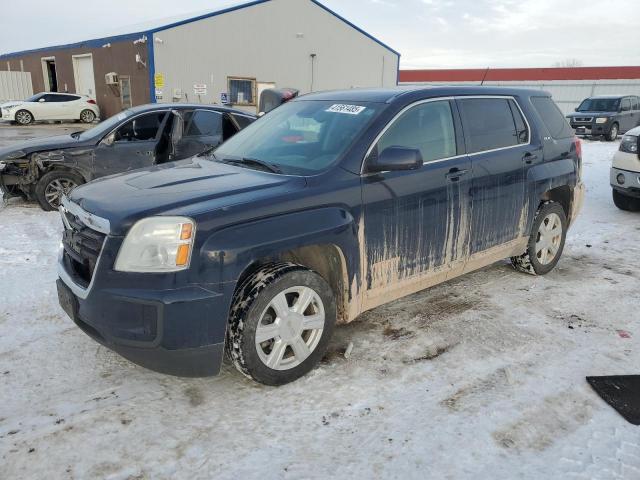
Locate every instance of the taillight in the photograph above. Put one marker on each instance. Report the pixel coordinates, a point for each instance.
(578, 143)
(92, 101)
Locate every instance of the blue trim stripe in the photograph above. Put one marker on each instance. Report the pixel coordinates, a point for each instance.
(151, 68)
(324, 7)
(98, 42)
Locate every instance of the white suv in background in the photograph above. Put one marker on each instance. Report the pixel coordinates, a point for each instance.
(51, 106)
(625, 172)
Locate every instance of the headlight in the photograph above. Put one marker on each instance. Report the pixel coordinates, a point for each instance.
(157, 244)
(14, 155)
(629, 144)
(602, 119)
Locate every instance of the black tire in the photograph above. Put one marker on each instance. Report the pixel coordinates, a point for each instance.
(529, 262)
(24, 117)
(253, 298)
(613, 133)
(87, 116)
(624, 202)
(63, 178)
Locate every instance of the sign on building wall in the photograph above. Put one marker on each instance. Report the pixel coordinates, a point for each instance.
(158, 80)
(224, 98)
(200, 88)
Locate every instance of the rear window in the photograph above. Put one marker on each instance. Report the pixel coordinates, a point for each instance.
(552, 117)
(488, 123)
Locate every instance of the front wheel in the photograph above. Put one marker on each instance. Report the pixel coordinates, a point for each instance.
(546, 241)
(53, 185)
(613, 133)
(624, 202)
(24, 117)
(281, 321)
(87, 116)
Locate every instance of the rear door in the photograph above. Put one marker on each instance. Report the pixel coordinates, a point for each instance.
(415, 221)
(132, 145)
(497, 140)
(203, 130)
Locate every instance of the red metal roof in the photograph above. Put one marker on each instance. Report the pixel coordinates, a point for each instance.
(520, 74)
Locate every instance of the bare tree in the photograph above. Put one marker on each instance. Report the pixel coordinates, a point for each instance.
(568, 63)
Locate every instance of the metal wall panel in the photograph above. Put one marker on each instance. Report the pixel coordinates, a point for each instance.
(15, 86)
(567, 93)
(271, 42)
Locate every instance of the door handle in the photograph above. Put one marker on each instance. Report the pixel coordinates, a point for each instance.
(529, 158)
(455, 173)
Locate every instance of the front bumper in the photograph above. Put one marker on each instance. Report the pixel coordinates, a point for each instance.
(154, 320)
(592, 128)
(631, 185)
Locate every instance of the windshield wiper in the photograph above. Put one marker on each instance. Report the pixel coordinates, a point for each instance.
(255, 162)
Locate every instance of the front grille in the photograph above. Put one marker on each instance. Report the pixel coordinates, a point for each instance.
(583, 119)
(82, 248)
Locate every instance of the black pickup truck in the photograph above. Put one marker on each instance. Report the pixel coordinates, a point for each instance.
(606, 116)
(328, 206)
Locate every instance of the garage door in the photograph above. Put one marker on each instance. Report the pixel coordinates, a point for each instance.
(83, 74)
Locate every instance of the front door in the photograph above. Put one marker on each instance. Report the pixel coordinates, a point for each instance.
(203, 130)
(497, 140)
(415, 221)
(626, 115)
(132, 145)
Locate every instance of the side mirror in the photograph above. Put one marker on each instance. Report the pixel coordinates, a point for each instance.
(109, 140)
(575, 109)
(395, 158)
(42, 100)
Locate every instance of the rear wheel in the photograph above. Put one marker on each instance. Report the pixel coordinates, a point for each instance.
(624, 202)
(23, 117)
(53, 185)
(613, 133)
(546, 241)
(281, 321)
(87, 116)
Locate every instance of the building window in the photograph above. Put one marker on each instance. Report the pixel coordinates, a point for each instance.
(125, 92)
(242, 91)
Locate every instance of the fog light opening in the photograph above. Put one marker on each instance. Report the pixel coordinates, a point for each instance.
(620, 178)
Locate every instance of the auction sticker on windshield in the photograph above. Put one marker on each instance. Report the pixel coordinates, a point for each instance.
(348, 109)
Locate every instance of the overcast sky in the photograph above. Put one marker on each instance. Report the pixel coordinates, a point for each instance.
(428, 33)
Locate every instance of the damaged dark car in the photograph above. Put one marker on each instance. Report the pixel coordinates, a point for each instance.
(45, 169)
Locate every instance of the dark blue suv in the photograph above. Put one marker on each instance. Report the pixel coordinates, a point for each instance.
(326, 207)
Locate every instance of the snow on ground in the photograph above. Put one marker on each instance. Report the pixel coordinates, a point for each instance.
(481, 377)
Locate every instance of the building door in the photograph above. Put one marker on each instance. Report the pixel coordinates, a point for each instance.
(49, 74)
(83, 74)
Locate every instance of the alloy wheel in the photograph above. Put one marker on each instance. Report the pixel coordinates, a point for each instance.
(290, 328)
(56, 189)
(23, 118)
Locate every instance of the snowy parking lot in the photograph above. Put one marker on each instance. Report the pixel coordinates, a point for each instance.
(482, 377)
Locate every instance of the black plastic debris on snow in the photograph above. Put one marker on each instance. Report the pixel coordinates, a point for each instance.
(622, 392)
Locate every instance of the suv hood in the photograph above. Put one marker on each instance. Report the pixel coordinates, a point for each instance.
(43, 144)
(188, 187)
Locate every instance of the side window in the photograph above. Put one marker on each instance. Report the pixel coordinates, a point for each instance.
(242, 121)
(67, 98)
(522, 130)
(488, 123)
(49, 98)
(626, 104)
(144, 127)
(634, 103)
(427, 127)
(552, 117)
(201, 122)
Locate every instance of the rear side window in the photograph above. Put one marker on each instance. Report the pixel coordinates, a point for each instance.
(634, 103)
(202, 122)
(552, 117)
(488, 123)
(427, 127)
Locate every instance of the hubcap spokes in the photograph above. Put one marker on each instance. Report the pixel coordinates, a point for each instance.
(54, 191)
(549, 238)
(290, 328)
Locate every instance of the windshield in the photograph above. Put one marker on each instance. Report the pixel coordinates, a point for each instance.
(105, 127)
(302, 137)
(35, 97)
(599, 105)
